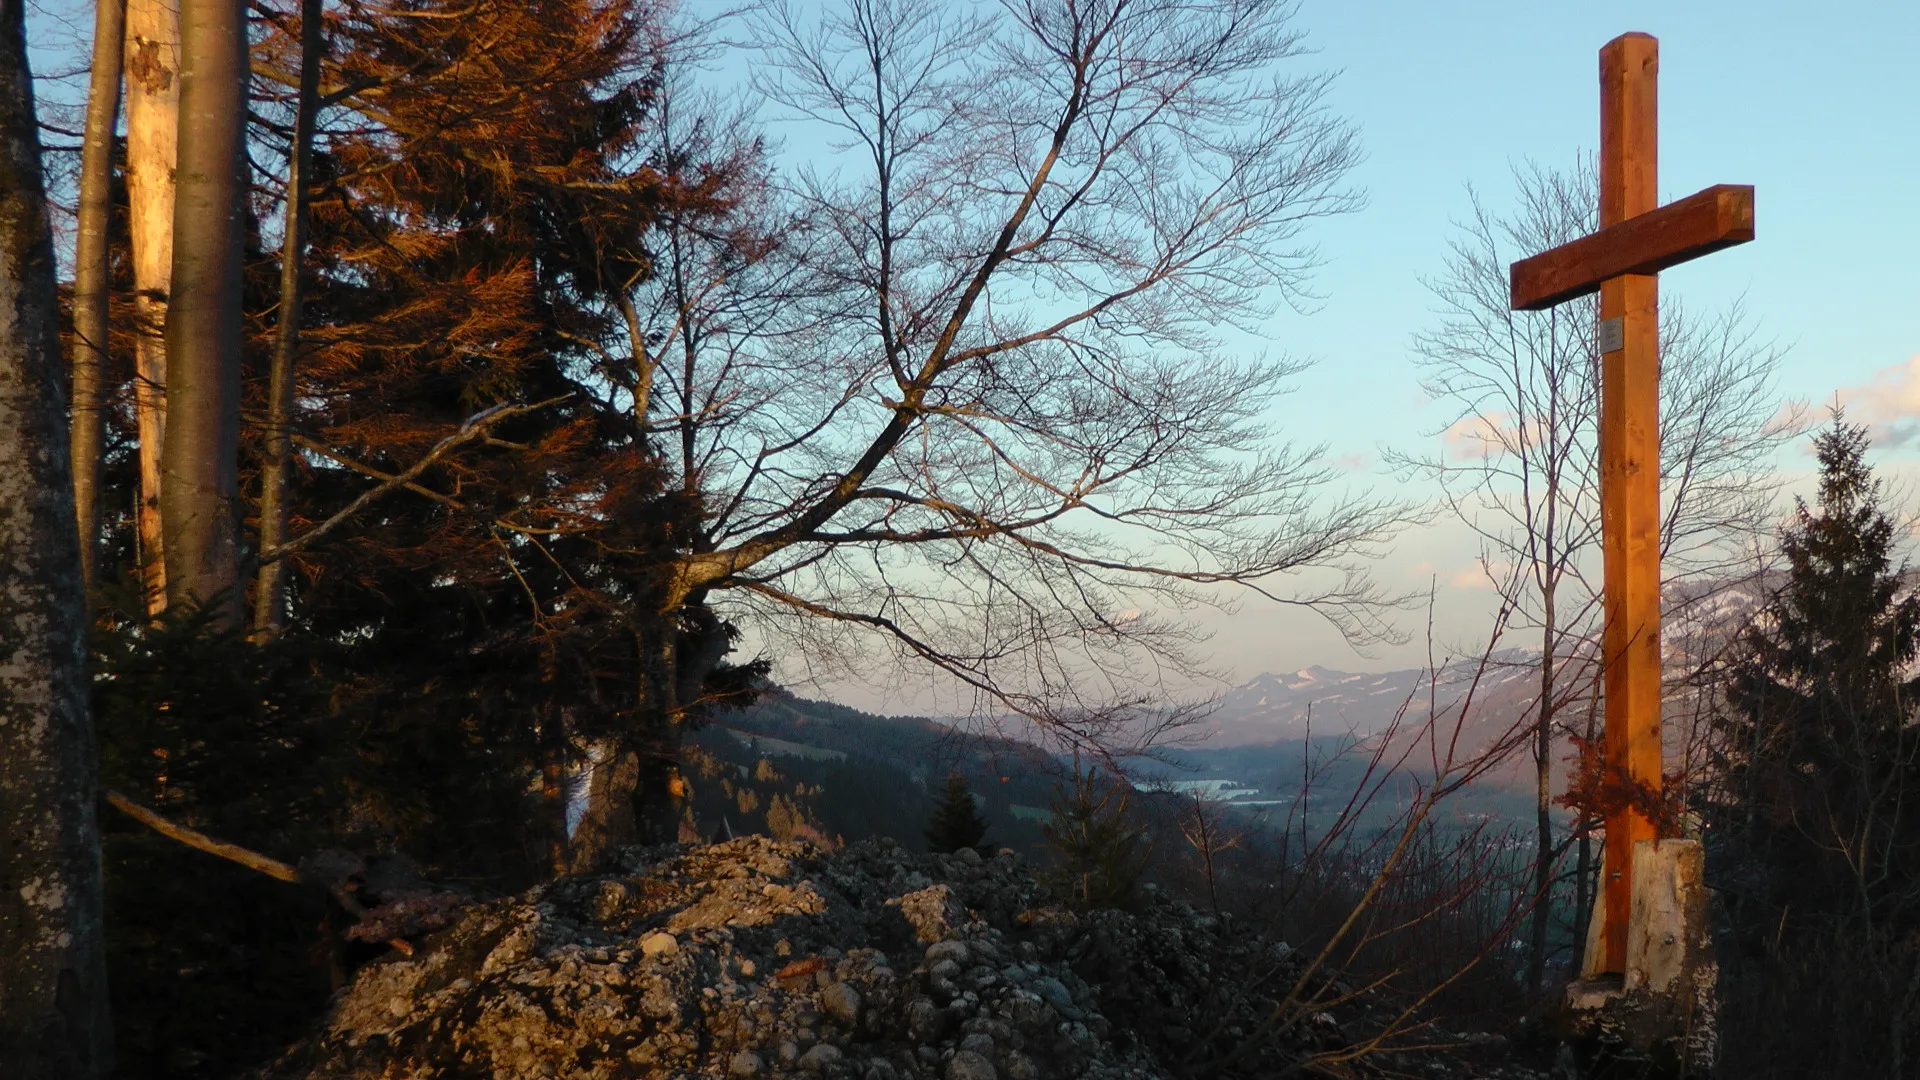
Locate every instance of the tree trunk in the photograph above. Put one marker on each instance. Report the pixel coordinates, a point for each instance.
(270, 593)
(152, 61)
(553, 786)
(53, 988)
(1585, 887)
(199, 463)
(638, 795)
(87, 429)
(1543, 806)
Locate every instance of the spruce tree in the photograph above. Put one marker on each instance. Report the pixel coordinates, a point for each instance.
(1098, 856)
(956, 822)
(1820, 745)
(1814, 842)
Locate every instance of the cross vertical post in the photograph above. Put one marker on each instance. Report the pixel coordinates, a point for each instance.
(1636, 240)
(1629, 471)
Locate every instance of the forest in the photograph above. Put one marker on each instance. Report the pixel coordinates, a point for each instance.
(428, 427)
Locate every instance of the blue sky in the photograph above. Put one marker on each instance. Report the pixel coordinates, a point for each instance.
(1816, 111)
(1818, 106)
(1814, 105)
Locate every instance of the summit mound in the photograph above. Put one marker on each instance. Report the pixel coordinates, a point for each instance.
(756, 958)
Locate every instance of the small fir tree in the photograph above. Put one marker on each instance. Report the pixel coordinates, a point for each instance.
(1822, 749)
(1814, 837)
(956, 822)
(1098, 855)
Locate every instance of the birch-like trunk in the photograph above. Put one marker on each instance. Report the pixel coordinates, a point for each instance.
(152, 62)
(53, 980)
(270, 595)
(638, 795)
(86, 429)
(199, 463)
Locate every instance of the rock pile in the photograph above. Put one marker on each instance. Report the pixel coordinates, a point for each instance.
(753, 958)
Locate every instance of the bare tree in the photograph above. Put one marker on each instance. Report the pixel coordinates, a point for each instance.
(1520, 464)
(199, 463)
(53, 1000)
(1006, 432)
(90, 278)
(152, 61)
(270, 591)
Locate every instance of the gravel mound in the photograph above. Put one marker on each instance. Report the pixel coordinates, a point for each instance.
(754, 958)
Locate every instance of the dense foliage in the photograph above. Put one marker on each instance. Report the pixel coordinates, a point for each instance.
(1815, 838)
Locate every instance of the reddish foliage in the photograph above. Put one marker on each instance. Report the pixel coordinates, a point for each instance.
(1599, 790)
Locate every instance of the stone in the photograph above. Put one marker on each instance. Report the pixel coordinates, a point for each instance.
(969, 1065)
(659, 943)
(1020, 1067)
(820, 1057)
(842, 1002)
(968, 856)
(926, 1022)
(955, 951)
(745, 1063)
(979, 1043)
(1053, 992)
(932, 912)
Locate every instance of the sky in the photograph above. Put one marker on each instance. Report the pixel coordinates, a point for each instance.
(1814, 105)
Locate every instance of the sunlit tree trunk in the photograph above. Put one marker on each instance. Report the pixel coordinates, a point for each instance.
(53, 1000)
(90, 283)
(152, 61)
(270, 595)
(199, 463)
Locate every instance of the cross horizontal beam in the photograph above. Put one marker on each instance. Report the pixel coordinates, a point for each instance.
(1704, 222)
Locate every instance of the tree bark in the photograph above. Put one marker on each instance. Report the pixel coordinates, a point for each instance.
(270, 592)
(152, 61)
(638, 794)
(1543, 802)
(199, 463)
(87, 430)
(53, 1000)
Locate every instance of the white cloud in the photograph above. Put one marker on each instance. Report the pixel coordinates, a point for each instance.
(1888, 403)
(1484, 435)
(1480, 575)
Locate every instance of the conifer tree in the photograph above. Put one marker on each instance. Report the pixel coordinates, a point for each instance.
(1098, 855)
(1814, 841)
(1821, 745)
(956, 822)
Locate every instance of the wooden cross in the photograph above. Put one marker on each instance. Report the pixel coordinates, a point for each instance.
(1637, 240)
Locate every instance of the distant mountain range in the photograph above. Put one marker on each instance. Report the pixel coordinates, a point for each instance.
(1318, 702)
(1321, 702)
(788, 765)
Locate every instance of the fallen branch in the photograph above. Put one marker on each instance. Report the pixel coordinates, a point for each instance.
(252, 860)
(387, 922)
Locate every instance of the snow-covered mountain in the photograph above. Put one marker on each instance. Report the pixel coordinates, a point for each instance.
(1319, 701)
(1701, 618)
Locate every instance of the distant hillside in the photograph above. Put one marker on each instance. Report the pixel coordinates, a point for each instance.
(792, 766)
(1277, 748)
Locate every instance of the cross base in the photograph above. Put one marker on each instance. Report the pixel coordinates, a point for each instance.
(1660, 1018)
